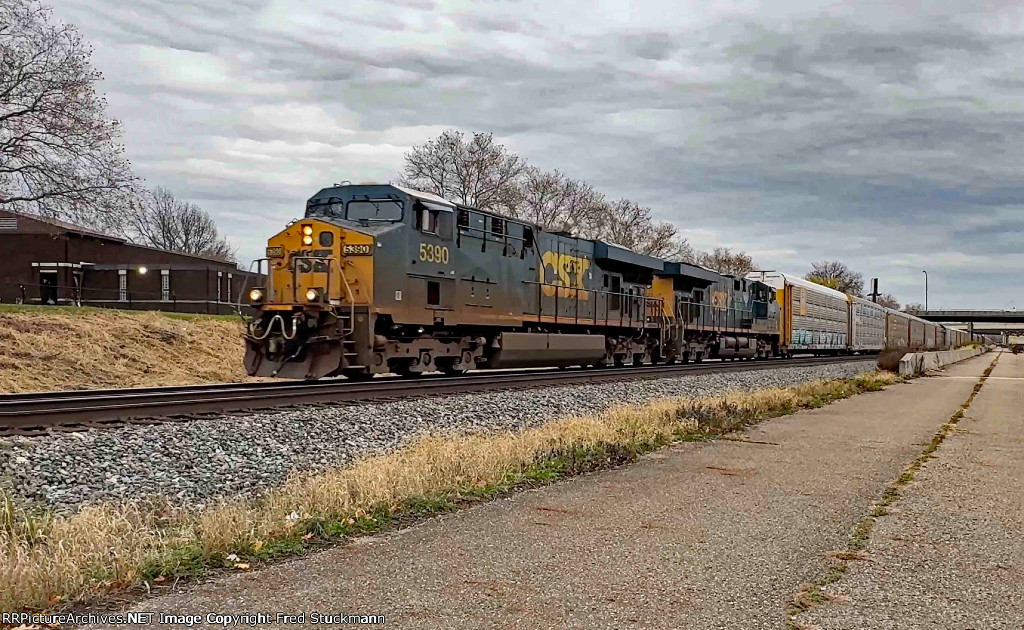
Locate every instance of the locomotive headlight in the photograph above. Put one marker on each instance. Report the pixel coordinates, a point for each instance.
(307, 230)
(256, 295)
(312, 295)
(307, 240)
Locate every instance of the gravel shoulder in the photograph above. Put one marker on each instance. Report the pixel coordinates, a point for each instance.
(704, 535)
(951, 552)
(195, 462)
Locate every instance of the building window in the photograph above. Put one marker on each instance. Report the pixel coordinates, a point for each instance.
(122, 285)
(231, 295)
(165, 285)
(220, 274)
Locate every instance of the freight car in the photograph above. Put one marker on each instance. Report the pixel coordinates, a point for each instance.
(819, 320)
(380, 278)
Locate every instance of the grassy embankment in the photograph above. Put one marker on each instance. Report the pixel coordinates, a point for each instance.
(57, 348)
(52, 561)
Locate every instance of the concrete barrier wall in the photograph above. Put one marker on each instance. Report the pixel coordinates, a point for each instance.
(915, 363)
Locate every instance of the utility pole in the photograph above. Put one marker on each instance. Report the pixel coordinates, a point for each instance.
(874, 290)
(925, 289)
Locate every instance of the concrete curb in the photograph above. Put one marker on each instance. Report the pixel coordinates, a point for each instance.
(915, 363)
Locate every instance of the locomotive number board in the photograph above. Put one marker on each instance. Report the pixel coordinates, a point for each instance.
(275, 252)
(355, 249)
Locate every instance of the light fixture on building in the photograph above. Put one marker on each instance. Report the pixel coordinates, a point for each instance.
(142, 271)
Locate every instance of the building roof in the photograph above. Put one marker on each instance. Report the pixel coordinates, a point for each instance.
(71, 228)
(68, 227)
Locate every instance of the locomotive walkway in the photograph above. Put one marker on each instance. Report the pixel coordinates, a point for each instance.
(711, 535)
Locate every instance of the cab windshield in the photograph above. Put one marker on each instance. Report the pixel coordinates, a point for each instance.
(355, 210)
(374, 210)
(328, 207)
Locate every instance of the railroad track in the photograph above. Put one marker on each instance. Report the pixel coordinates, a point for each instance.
(37, 413)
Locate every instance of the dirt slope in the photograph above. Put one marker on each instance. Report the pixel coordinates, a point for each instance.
(52, 349)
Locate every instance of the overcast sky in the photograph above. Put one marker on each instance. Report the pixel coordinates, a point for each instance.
(889, 135)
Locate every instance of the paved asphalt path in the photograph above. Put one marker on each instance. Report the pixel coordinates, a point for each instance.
(951, 555)
(700, 535)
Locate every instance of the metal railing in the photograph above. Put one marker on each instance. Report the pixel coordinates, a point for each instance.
(633, 310)
(710, 317)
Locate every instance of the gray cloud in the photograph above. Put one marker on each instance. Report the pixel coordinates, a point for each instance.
(884, 134)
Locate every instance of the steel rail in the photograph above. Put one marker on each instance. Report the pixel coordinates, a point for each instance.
(75, 410)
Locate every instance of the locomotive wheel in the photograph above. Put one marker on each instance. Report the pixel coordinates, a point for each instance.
(447, 366)
(404, 369)
(357, 374)
(698, 358)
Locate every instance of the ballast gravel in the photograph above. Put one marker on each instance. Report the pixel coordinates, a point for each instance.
(195, 462)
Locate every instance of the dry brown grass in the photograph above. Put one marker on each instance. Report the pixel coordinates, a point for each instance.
(93, 348)
(46, 560)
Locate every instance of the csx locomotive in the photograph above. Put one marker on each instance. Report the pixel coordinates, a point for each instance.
(380, 278)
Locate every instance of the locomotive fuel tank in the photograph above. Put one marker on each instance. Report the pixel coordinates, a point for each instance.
(520, 350)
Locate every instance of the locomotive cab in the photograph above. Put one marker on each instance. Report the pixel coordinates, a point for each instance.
(336, 277)
(312, 317)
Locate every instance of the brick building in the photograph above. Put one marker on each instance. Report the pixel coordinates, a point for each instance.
(52, 262)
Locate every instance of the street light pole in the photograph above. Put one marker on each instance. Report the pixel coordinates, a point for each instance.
(925, 289)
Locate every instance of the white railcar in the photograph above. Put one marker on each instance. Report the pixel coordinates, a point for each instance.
(867, 325)
(815, 318)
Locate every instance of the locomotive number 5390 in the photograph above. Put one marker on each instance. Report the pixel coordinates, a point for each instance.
(434, 253)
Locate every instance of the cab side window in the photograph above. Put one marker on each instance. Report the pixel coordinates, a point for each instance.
(426, 219)
(431, 219)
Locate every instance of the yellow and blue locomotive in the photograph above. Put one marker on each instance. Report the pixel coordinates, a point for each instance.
(380, 278)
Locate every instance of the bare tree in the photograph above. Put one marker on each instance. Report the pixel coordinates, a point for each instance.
(60, 156)
(480, 172)
(888, 300)
(477, 171)
(159, 220)
(631, 225)
(836, 275)
(913, 307)
(725, 261)
(551, 199)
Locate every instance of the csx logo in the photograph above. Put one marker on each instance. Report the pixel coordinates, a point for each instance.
(720, 300)
(569, 273)
(302, 260)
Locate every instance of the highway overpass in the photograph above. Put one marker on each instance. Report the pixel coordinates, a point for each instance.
(967, 316)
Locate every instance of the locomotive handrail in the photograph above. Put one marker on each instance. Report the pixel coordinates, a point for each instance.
(269, 286)
(706, 312)
(639, 302)
(351, 300)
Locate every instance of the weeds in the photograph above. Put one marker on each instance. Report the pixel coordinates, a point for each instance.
(70, 559)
